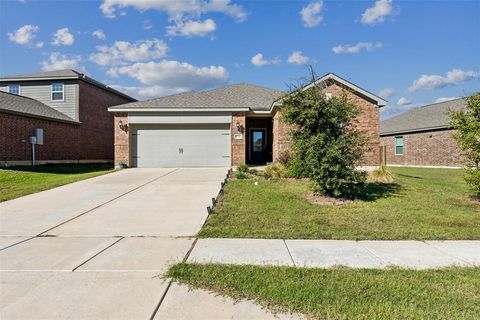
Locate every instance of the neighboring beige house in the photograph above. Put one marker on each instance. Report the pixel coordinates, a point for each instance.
(229, 126)
(422, 136)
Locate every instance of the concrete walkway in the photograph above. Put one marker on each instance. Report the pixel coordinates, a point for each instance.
(96, 249)
(330, 253)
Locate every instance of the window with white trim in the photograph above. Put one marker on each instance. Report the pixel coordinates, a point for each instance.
(399, 145)
(14, 89)
(57, 92)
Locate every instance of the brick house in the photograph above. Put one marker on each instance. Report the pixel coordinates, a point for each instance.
(422, 137)
(229, 126)
(70, 107)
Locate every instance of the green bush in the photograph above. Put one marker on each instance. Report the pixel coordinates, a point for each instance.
(275, 171)
(253, 171)
(467, 125)
(241, 175)
(243, 168)
(326, 145)
(472, 177)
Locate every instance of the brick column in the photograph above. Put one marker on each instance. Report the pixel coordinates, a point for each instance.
(238, 145)
(281, 139)
(122, 142)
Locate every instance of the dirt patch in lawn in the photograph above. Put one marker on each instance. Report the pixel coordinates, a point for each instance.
(326, 201)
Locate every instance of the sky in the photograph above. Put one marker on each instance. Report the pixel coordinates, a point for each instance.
(411, 53)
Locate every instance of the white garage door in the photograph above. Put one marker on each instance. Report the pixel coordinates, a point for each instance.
(181, 145)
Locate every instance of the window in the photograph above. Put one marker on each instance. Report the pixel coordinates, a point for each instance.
(399, 145)
(14, 89)
(57, 92)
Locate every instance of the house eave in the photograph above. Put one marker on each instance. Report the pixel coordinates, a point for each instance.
(379, 102)
(35, 116)
(417, 130)
(113, 109)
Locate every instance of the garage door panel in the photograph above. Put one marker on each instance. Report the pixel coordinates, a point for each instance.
(181, 145)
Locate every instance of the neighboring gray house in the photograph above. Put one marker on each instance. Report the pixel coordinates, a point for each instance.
(69, 106)
(57, 89)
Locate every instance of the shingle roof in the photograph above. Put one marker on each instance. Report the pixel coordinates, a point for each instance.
(11, 103)
(430, 117)
(240, 95)
(60, 75)
(46, 74)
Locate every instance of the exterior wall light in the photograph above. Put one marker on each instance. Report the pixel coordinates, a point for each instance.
(122, 126)
(238, 126)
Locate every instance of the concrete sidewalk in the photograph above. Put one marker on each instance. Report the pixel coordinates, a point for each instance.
(328, 253)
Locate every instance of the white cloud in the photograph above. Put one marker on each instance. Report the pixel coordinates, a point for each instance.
(386, 93)
(258, 60)
(376, 14)
(63, 37)
(297, 58)
(312, 14)
(191, 28)
(99, 34)
(123, 52)
(148, 92)
(435, 81)
(39, 44)
(369, 46)
(393, 110)
(58, 61)
(24, 35)
(178, 9)
(403, 102)
(172, 74)
(444, 99)
(147, 25)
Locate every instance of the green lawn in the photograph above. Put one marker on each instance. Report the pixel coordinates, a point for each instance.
(421, 204)
(19, 181)
(344, 293)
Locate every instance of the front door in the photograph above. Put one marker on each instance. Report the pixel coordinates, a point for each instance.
(257, 146)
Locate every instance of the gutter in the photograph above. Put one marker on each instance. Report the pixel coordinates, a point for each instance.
(392, 133)
(113, 109)
(29, 115)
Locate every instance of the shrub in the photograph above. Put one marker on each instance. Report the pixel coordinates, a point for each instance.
(285, 157)
(243, 168)
(253, 171)
(381, 175)
(467, 125)
(275, 171)
(241, 175)
(326, 146)
(472, 177)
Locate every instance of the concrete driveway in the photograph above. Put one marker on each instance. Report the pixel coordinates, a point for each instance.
(94, 249)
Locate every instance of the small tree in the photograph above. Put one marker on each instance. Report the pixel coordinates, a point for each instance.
(467, 124)
(326, 147)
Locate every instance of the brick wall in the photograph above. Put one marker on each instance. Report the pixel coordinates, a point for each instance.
(122, 141)
(60, 139)
(281, 139)
(90, 140)
(433, 148)
(97, 129)
(368, 121)
(238, 145)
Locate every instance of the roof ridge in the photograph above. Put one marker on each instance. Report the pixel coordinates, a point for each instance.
(435, 103)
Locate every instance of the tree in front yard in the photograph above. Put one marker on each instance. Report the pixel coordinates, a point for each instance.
(467, 124)
(326, 147)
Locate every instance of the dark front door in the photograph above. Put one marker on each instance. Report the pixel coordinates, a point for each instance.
(257, 146)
